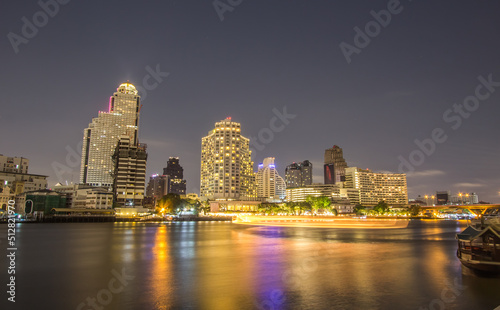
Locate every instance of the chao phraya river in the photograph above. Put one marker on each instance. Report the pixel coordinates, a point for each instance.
(221, 265)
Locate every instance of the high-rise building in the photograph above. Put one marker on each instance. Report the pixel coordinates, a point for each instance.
(226, 164)
(129, 173)
(270, 185)
(335, 165)
(374, 187)
(157, 187)
(299, 174)
(175, 173)
(101, 137)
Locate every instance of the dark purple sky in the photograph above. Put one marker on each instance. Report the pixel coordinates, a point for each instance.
(263, 56)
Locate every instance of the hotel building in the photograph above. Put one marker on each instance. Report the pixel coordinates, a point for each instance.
(335, 192)
(374, 187)
(226, 164)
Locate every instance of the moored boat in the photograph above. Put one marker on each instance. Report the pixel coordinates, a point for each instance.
(479, 244)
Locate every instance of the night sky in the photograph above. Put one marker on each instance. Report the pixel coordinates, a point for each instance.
(400, 86)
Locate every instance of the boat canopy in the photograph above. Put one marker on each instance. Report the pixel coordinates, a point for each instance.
(470, 233)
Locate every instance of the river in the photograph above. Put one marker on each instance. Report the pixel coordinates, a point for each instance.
(220, 265)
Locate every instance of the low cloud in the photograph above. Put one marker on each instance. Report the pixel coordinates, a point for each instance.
(426, 173)
(468, 185)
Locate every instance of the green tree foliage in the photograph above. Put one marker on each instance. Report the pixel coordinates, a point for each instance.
(415, 210)
(173, 203)
(359, 209)
(381, 207)
(317, 203)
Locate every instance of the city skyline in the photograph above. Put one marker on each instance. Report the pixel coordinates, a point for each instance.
(395, 91)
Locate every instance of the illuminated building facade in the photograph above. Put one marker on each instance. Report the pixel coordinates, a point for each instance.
(374, 187)
(101, 137)
(270, 185)
(464, 199)
(299, 174)
(335, 192)
(129, 173)
(335, 165)
(226, 164)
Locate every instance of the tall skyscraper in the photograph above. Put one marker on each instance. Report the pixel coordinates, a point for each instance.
(298, 175)
(157, 187)
(101, 137)
(335, 165)
(175, 173)
(129, 173)
(226, 164)
(270, 184)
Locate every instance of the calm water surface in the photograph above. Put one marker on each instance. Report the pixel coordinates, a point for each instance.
(228, 266)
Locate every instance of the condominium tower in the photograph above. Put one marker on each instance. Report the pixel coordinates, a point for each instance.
(101, 137)
(270, 184)
(226, 164)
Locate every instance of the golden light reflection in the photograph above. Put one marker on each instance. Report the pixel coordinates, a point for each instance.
(230, 264)
(161, 272)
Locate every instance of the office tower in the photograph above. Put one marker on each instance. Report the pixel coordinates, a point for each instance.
(442, 198)
(226, 164)
(101, 137)
(270, 184)
(335, 165)
(129, 173)
(297, 175)
(374, 187)
(175, 173)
